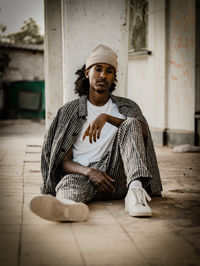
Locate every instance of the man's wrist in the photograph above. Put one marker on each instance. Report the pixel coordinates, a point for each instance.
(87, 171)
(107, 118)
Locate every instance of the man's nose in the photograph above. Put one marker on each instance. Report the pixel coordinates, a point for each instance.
(103, 74)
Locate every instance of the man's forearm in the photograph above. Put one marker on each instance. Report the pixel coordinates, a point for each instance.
(102, 181)
(71, 167)
(115, 121)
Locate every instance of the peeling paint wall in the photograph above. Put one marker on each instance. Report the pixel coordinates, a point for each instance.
(146, 74)
(181, 65)
(163, 84)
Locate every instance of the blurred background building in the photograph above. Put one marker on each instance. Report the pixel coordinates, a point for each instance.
(22, 72)
(22, 81)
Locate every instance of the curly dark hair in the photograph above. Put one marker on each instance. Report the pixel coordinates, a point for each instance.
(82, 84)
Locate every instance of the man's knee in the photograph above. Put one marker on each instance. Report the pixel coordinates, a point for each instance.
(75, 187)
(136, 125)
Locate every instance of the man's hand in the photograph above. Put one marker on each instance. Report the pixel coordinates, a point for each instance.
(101, 180)
(94, 128)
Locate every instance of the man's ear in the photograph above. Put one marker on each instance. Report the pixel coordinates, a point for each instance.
(86, 73)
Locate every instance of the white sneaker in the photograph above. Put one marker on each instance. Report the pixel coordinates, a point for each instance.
(135, 202)
(50, 208)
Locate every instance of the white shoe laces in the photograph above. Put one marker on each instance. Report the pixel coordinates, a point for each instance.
(141, 195)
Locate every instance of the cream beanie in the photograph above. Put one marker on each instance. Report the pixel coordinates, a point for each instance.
(102, 54)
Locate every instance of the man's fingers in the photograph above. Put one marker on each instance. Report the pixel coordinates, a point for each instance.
(86, 133)
(108, 177)
(95, 127)
(91, 133)
(102, 181)
(109, 185)
(99, 189)
(106, 187)
(95, 133)
(107, 182)
(99, 132)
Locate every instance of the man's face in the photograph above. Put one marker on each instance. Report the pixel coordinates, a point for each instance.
(101, 76)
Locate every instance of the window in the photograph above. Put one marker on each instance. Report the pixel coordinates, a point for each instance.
(138, 29)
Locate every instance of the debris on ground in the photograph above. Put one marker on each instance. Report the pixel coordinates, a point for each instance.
(186, 148)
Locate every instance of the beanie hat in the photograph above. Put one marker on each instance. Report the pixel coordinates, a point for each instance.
(102, 54)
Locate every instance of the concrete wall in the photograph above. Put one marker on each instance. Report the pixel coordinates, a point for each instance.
(147, 74)
(163, 84)
(87, 23)
(181, 67)
(23, 65)
(197, 61)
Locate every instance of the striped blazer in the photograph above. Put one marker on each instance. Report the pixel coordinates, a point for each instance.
(64, 130)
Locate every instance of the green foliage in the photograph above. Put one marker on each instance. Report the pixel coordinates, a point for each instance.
(28, 34)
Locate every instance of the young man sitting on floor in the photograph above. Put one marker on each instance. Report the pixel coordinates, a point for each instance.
(98, 147)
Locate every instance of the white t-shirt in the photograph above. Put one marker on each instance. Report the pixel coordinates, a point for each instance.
(83, 151)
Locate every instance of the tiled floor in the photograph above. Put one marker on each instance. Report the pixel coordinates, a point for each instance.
(110, 236)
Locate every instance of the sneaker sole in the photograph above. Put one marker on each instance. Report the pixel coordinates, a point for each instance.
(50, 208)
(140, 214)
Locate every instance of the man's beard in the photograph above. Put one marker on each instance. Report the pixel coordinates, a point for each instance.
(100, 91)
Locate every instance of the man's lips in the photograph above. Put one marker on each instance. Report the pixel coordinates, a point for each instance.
(101, 83)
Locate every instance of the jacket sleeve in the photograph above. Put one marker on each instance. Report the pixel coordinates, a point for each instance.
(46, 151)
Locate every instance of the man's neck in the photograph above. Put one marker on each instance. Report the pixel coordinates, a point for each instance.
(99, 99)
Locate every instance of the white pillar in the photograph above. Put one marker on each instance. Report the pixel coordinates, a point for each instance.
(87, 23)
(53, 59)
(157, 63)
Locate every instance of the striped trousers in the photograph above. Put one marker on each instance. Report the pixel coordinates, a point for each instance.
(126, 160)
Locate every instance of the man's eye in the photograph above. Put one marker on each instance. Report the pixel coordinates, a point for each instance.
(98, 69)
(109, 71)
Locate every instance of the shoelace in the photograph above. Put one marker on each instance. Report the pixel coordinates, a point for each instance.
(141, 195)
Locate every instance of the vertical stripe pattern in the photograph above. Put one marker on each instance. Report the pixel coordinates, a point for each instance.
(124, 161)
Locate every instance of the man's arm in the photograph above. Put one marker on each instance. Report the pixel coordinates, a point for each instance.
(70, 167)
(45, 156)
(115, 121)
(94, 129)
(101, 180)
